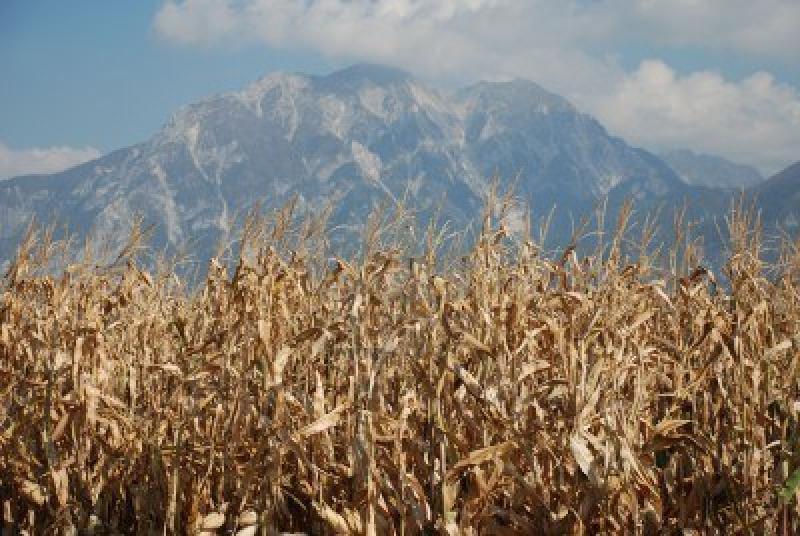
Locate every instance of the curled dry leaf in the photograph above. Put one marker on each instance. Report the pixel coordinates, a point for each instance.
(33, 492)
(248, 517)
(213, 521)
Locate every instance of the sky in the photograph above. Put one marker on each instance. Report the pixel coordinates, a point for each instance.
(79, 79)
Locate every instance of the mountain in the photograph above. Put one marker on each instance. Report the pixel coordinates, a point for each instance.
(358, 137)
(711, 171)
(560, 153)
(779, 198)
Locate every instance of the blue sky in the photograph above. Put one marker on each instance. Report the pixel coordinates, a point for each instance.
(721, 76)
(94, 72)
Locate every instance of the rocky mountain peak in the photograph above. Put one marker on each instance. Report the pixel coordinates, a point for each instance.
(515, 96)
(356, 76)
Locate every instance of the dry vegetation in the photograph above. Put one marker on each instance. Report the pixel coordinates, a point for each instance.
(506, 394)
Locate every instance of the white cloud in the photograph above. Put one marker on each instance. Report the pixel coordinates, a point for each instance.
(432, 37)
(762, 28)
(566, 45)
(756, 119)
(198, 21)
(15, 162)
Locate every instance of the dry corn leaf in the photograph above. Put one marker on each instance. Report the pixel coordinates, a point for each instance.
(61, 485)
(580, 451)
(666, 427)
(325, 422)
(167, 367)
(335, 521)
(479, 456)
(279, 363)
(247, 531)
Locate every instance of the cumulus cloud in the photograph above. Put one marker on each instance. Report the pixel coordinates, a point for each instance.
(438, 38)
(568, 46)
(15, 162)
(766, 27)
(198, 21)
(756, 119)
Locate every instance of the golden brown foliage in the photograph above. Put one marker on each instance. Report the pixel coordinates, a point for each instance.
(514, 395)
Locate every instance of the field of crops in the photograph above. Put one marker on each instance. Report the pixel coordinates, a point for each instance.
(505, 392)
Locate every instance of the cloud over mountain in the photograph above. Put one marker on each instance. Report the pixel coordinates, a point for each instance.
(14, 162)
(766, 28)
(756, 118)
(572, 47)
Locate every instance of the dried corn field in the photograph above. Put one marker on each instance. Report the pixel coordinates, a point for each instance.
(512, 393)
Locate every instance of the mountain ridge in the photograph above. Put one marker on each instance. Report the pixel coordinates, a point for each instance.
(354, 138)
(699, 169)
(779, 197)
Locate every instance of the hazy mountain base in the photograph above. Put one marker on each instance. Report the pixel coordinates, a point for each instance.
(651, 229)
(711, 171)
